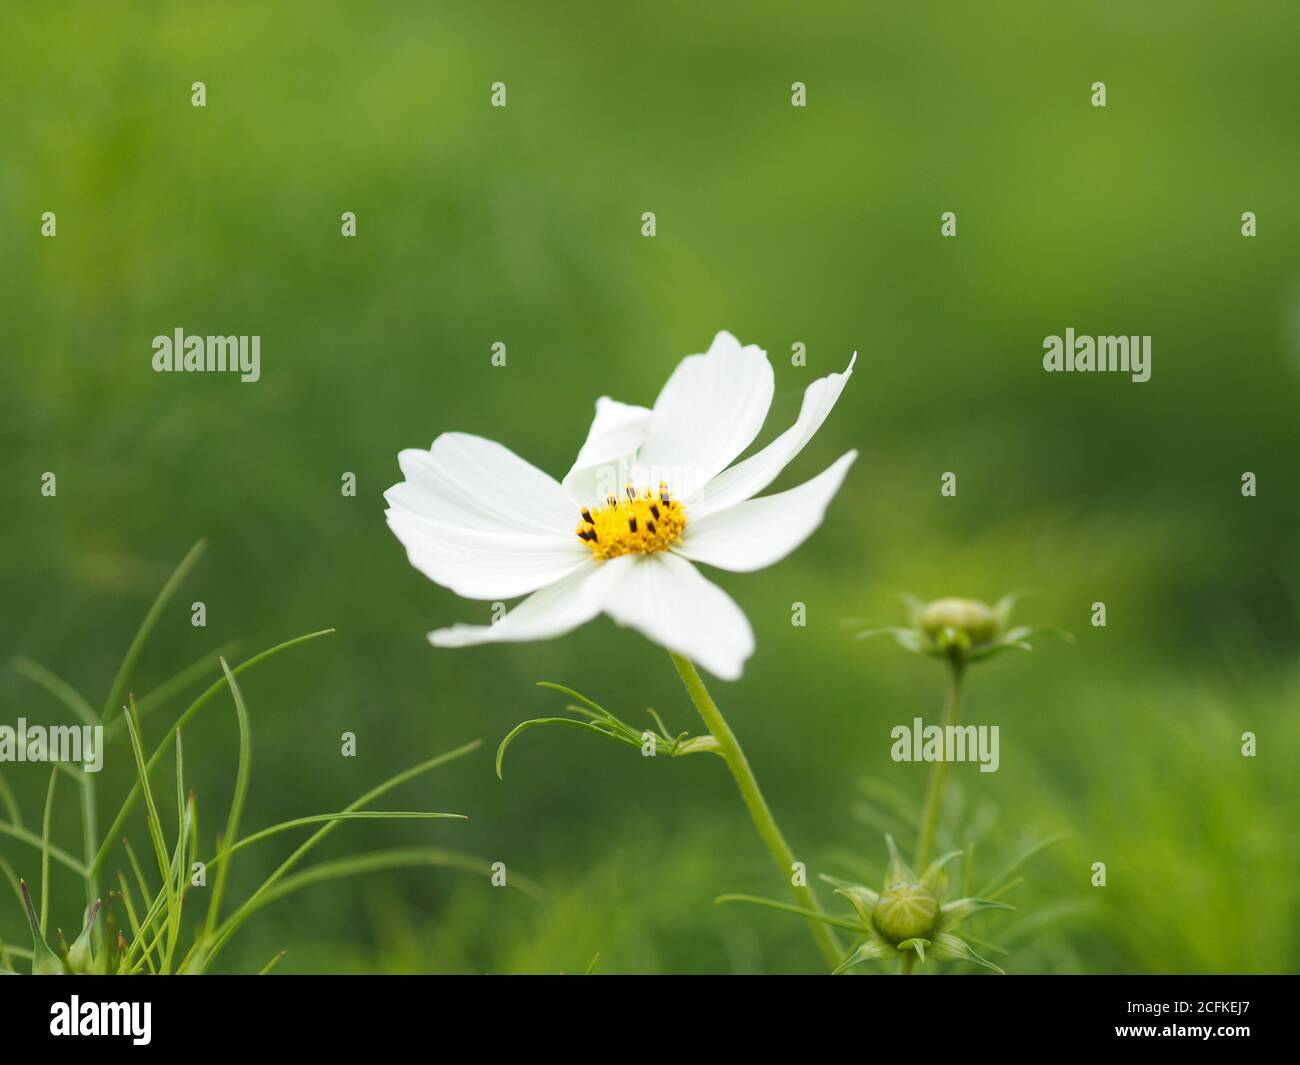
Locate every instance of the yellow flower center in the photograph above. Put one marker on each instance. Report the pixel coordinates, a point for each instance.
(640, 524)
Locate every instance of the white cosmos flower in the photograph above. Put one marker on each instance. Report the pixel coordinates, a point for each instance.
(652, 492)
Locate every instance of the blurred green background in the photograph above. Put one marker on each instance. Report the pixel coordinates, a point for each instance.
(817, 225)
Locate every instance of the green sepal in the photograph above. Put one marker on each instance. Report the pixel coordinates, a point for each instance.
(908, 639)
(44, 961)
(952, 914)
(871, 948)
(917, 944)
(849, 889)
(948, 947)
(935, 878)
(858, 903)
(81, 958)
(899, 870)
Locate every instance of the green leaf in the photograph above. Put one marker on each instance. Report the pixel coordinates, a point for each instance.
(863, 870)
(592, 706)
(184, 813)
(136, 930)
(182, 679)
(992, 948)
(8, 871)
(59, 855)
(44, 961)
(142, 775)
(1063, 909)
(605, 724)
(137, 870)
(59, 688)
(659, 722)
(146, 627)
(211, 946)
(377, 861)
(898, 802)
(124, 811)
(996, 885)
(787, 907)
(231, 835)
(10, 803)
(45, 848)
(589, 726)
(316, 819)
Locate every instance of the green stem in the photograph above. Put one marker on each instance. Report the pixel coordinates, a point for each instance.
(938, 772)
(89, 842)
(777, 847)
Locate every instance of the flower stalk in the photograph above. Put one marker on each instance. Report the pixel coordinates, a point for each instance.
(768, 830)
(933, 807)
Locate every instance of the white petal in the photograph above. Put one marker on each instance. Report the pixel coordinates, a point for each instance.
(758, 532)
(470, 482)
(552, 611)
(603, 464)
(709, 411)
(746, 479)
(482, 564)
(668, 600)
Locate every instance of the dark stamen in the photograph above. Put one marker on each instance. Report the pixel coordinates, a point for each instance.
(654, 510)
(586, 516)
(631, 524)
(651, 526)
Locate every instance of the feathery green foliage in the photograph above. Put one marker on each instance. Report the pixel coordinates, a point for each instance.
(165, 936)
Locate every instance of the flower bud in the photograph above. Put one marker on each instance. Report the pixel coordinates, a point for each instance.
(964, 617)
(906, 911)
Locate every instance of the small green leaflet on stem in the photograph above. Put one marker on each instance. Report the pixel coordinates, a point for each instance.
(595, 718)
